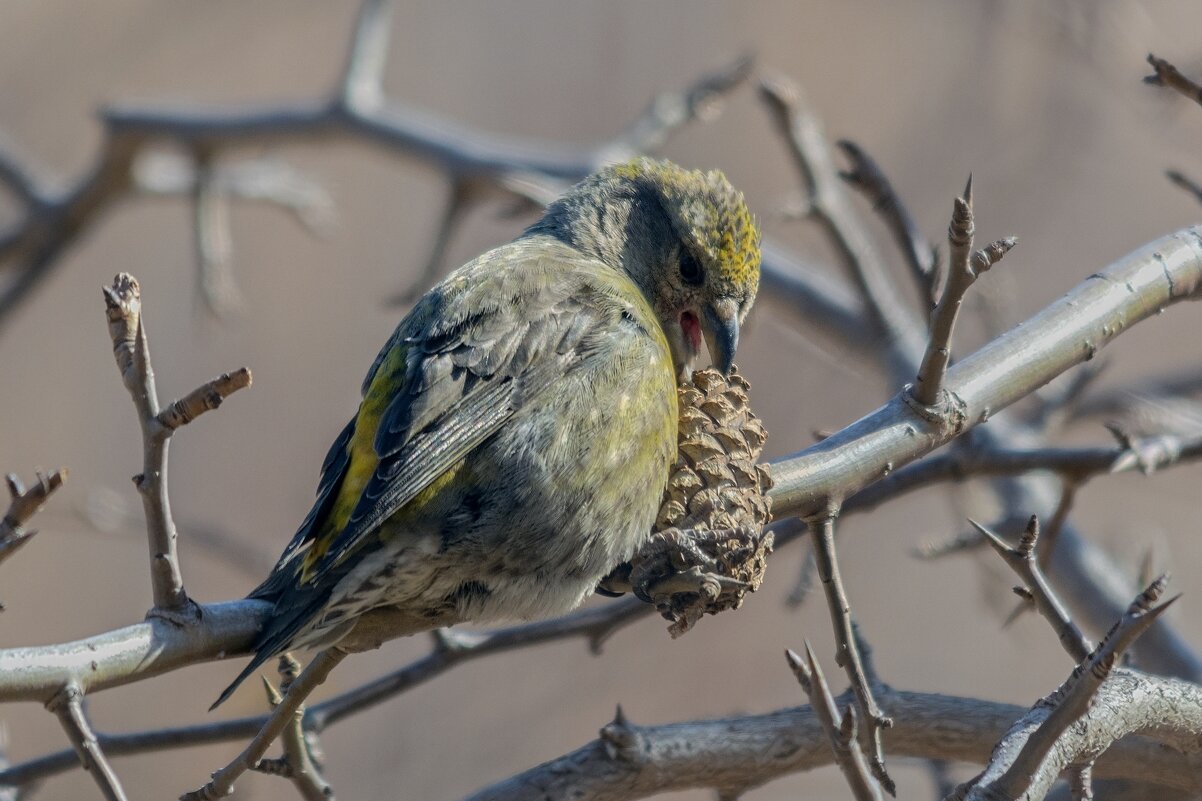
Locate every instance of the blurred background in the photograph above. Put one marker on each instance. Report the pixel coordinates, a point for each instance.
(1041, 101)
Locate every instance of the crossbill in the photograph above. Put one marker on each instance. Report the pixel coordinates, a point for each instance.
(517, 430)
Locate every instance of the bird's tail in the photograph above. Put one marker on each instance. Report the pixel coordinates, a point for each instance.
(255, 664)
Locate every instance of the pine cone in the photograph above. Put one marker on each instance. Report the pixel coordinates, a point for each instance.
(709, 547)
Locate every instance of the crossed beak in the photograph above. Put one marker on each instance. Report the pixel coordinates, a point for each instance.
(720, 325)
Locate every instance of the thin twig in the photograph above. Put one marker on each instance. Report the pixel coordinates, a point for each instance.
(298, 763)
(1061, 404)
(222, 783)
(963, 269)
(1183, 181)
(842, 736)
(23, 505)
(668, 111)
(1071, 701)
(1165, 74)
(1022, 560)
(847, 654)
(1047, 543)
(829, 204)
(123, 302)
(67, 706)
(205, 398)
(867, 176)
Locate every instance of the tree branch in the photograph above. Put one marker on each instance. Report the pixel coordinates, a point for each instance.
(829, 204)
(733, 755)
(847, 652)
(23, 505)
(842, 736)
(67, 706)
(1022, 560)
(1064, 334)
(867, 177)
(123, 302)
(1040, 745)
(963, 269)
(1165, 74)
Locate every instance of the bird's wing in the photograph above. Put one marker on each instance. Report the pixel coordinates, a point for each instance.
(496, 335)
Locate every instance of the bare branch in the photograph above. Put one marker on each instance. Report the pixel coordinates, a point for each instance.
(1032, 754)
(24, 504)
(847, 652)
(830, 205)
(963, 269)
(867, 176)
(454, 648)
(205, 398)
(281, 717)
(1165, 74)
(1066, 333)
(266, 180)
(1075, 465)
(67, 706)
(123, 302)
(298, 763)
(846, 748)
(355, 111)
(1022, 560)
(739, 753)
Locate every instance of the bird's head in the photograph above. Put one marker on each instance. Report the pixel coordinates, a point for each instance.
(685, 237)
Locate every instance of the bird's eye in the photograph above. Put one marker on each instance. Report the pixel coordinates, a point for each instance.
(690, 269)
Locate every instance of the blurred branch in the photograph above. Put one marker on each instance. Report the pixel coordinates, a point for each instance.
(828, 203)
(23, 505)
(356, 110)
(867, 177)
(1183, 181)
(1166, 75)
(1074, 464)
(1120, 399)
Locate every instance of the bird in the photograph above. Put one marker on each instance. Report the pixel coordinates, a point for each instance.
(517, 429)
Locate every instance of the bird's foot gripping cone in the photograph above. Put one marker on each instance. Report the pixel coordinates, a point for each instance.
(709, 548)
